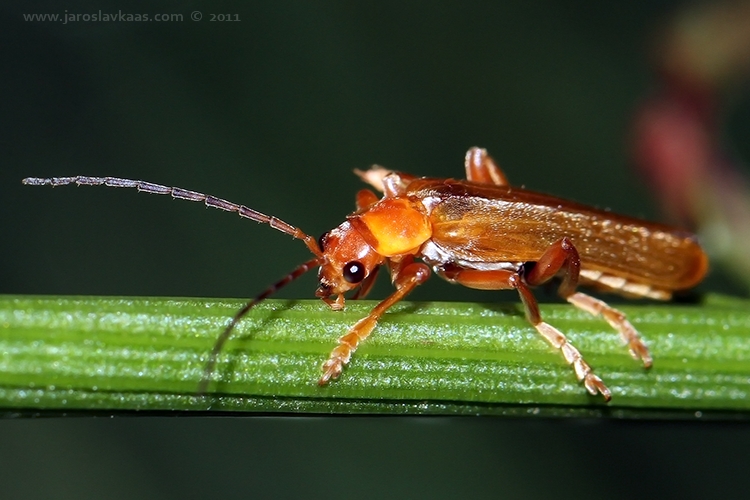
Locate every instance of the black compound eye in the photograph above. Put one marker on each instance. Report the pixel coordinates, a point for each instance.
(321, 241)
(354, 271)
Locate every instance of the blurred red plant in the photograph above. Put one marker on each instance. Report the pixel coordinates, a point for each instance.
(700, 54)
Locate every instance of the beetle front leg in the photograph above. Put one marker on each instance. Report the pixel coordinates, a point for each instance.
(564, 256)
(408, 276)
(503, 280)
(480, 167)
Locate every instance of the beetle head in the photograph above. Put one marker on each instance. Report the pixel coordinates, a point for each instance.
(348, 261)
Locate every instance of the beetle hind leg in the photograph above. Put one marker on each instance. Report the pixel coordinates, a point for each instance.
(506, 279)
(619, 322)
(562, 255)
(594, 385)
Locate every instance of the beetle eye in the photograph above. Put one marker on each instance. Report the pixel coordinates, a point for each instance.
(321, 241)
(354, 271)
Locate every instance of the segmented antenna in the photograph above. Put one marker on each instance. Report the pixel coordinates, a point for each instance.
(213, 202)
(182, 194)
(219, 345)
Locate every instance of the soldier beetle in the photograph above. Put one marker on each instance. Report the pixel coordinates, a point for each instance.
(481, 233)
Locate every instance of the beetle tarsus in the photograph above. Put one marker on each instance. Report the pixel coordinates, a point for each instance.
(595, 386)
(573, 356)
(373, 176)
(332, 368)
(339, 358)
(618, 321)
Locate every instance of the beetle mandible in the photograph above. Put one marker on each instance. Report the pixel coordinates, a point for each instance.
(481, 233)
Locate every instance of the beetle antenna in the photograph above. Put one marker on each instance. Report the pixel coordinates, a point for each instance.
(182, 194)
(219, 345)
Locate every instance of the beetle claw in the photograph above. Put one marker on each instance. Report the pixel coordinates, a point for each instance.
(595, 386)
(331, 370)
(640, 352)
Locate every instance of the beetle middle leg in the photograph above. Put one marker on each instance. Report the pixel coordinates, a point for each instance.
(563, 253)
(406, 276)
(503, 279)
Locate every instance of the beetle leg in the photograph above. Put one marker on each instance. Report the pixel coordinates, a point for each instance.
(563, 255)
(373, 176)
(619, 322)
(505, 279)
(386, 181)
(560, 254)
(365, 199)
(480, 167)
(409, 276)
(395, 184)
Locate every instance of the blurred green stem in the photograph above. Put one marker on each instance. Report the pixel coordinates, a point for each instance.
(97, 353)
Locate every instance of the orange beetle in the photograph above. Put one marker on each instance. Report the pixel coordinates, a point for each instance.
(481, 233)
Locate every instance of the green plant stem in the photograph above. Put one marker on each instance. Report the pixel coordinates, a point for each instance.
(112, 354)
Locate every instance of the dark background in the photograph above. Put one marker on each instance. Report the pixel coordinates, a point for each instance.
(274, 111)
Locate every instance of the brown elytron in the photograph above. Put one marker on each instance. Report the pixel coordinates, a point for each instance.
(481, 233)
